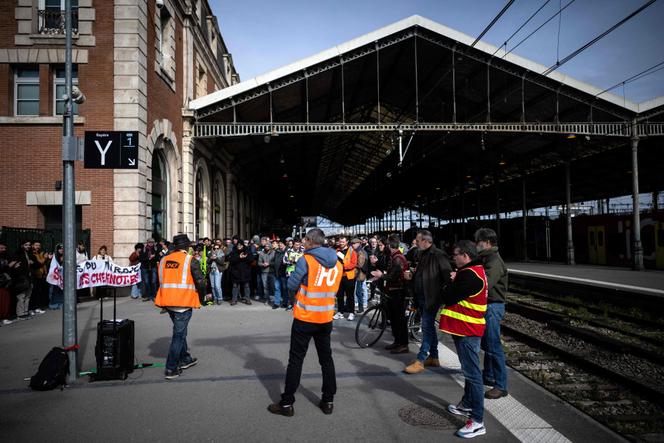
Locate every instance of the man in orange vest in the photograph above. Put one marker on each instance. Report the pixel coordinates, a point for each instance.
(316, 279)
(346, 295)
(178, 275)
(462, 316)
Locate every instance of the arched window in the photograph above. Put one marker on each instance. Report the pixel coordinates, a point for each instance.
(159, 196)
(219, 207)
(200, 205)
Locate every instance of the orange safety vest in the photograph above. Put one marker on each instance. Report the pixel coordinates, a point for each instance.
(350, 275)
(466, 318)
(314, 302)
(176, 284)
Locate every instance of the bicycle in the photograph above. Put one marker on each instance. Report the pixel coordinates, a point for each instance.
(372, 323)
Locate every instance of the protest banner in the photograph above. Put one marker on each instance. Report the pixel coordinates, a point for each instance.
(94, 273)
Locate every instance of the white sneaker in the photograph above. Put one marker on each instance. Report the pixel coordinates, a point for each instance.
(351, 317)
(31, 313)
(338, 316)
(39, 311)
(7, 322)
(459, 410)
(472, 429)
(256, 297)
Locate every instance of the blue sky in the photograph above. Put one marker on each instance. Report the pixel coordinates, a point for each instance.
(263, 35)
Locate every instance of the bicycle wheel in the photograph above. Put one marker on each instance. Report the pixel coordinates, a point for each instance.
(415, 326)
(370, 327)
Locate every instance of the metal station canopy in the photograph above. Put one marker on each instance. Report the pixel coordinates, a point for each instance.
(412, 115)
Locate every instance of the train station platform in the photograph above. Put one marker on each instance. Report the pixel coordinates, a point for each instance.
(243, 352)
(646, 282)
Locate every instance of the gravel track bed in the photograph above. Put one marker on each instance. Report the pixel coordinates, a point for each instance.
(634, 367)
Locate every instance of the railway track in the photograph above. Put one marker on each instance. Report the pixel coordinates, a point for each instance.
(609, 366)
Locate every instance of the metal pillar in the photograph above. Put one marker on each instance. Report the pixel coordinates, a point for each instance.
(655, 201)
(637, 249)
(497, 208)
(547, 234)
(525, 219)
(463, 208)
(69, 327)
(568, 200)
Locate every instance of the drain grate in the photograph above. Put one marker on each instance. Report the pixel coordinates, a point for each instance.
(430, 417)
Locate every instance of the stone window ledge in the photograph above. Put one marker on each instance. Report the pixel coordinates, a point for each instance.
(38, 120)
(54, 198)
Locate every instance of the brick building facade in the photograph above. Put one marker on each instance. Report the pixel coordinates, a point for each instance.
(139, 64)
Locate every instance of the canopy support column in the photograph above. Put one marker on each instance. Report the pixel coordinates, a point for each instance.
(495, 184)
(637, 248)
(525, 219)
(568, 204)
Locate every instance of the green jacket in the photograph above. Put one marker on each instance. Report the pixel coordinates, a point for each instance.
(496, 275)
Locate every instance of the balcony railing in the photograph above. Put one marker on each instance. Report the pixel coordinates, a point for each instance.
(52, 21)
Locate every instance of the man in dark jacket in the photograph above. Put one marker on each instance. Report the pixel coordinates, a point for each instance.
(22, 266)
(281, 298)
(240, 260)
(495, 374)
(395, 290)
(432, 273)
(149, 259)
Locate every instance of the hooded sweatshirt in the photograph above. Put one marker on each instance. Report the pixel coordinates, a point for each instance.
(325, 256)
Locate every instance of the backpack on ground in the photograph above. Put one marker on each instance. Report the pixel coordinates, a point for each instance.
(52, 372)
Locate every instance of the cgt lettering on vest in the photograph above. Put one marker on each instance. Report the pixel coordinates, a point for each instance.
(93, 273)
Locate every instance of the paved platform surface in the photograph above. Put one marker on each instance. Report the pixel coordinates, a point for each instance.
(649, 281)
(243, 352)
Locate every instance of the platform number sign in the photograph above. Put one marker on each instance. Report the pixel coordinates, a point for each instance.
(111, 150)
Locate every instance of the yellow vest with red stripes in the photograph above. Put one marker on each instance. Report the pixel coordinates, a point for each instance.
(176, 284)
(466, 318)
(314, 302)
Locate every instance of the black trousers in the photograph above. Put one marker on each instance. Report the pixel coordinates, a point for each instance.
(397, 312)
(301, 334)
(346, 296)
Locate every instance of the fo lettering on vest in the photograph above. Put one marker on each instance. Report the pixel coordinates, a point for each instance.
(314, 301)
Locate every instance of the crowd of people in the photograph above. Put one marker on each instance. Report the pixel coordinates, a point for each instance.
(464, 294)
(329, 279)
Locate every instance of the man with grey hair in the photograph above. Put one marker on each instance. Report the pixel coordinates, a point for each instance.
(494, 374)
(316, 279)
(432, 272)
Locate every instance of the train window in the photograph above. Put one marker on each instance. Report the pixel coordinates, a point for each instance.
(600, 238)
(591, 238)
(660, 237)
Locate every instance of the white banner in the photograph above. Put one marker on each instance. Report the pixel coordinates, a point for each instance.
(93, 273)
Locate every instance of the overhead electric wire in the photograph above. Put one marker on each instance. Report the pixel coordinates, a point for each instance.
(540, 27)
(493, 22)
(521, 27)
(596, 39)
(651, 70)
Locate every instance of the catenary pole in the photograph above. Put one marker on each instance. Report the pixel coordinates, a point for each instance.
(69, 328)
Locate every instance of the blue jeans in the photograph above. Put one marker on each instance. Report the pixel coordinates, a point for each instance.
(136, 290)
(361, 295)
(215, 282)
(267, 278)
(468, 350)
(281, 296)
(149, 280)
(494, 373)
(278, 289)
(429, 346)
(178, 353)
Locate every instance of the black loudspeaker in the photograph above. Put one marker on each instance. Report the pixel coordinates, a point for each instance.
(114, 350)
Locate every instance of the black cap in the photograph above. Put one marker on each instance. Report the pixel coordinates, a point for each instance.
(181, 241)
